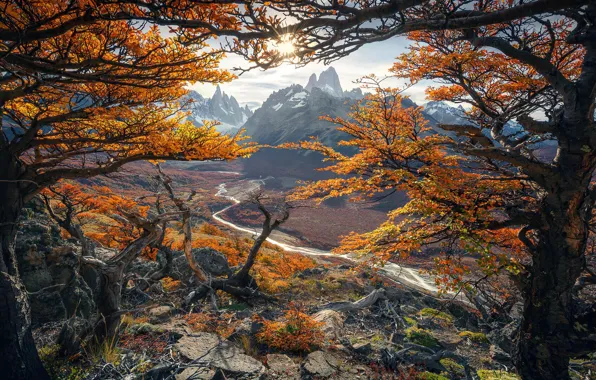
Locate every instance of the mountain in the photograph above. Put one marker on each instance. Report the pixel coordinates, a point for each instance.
(220, 107)
(329, 82)
(445, 114)
(293, 114)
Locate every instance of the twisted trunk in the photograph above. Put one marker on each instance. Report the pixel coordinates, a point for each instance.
(18, 355)
(547, 335)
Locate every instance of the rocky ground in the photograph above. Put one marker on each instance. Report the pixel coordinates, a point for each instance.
(329, 321)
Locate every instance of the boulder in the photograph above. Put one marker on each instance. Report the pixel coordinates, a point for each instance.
(211, 350)
(362, 348)
(194, 373)
(504, 337)
(498, 355)
(212, 261)
(333, 323)
(282, 367)
(161, 313)
(319, 364)
(46, 306)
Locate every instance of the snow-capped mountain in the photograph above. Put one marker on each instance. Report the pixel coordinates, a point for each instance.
(446, 114)
(220, 107)
(292, 114)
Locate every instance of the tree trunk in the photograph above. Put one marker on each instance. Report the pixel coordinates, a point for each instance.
(18, 354)
(108, 302)
(547, 330)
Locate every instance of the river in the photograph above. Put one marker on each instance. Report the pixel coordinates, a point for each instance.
(407, 276)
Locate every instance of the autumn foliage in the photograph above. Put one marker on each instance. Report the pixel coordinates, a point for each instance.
(296, 331)
(449, 207)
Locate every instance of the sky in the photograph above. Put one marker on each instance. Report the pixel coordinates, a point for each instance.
(252, 88)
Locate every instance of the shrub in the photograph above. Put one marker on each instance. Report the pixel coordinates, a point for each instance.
(434, 313)
(207, 322)
(430, 376)
(453, 367)
(487, 374)
(297, 332)
(169, 284)
(421, 337)
(475, 337)
(210, 229)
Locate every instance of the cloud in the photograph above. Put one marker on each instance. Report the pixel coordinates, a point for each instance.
(255, 86)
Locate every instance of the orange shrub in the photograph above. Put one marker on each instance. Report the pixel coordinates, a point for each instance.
(210, 229)
(297, 331)
(223, 325)
(169, 284)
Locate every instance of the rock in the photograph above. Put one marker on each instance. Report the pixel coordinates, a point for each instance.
(160, 371)
(161, 312)
(464, 318)
(497, 354)
(362, 348)
(210, 349)
(333, 322)
(78, 298)
(504, 337)
(196, 373)
(143, 267)
(319, 364)
(46, 306)
(212, 261)
(282, 367)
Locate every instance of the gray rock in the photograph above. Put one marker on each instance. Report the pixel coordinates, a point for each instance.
(333, 323)
(362, 348)
(212, 261)
(319, 364)
(46, 306)
(497, 354)
(194, 373)
(504, 337)
(161, 312)
(211, 350)
(282, 367)
(78, 298)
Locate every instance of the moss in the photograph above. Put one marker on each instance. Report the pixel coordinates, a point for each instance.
(453, 367)
(410, 321)
(434, 313)
(60, 368)
(487, 374)
(421, 337)
(430, 376)
(143, 328)
(377, 338)
(475, 337)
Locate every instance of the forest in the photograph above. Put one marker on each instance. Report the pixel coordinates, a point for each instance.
(436, 222)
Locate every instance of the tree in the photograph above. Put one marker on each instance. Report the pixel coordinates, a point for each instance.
(86, 88)
(472, 192)
(99, 216)
(240, 283)
(517, 71)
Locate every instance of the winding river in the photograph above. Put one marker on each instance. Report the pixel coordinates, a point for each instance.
(402, 274)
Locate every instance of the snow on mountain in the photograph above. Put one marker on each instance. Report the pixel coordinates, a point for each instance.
(220, 107)
(446, 114)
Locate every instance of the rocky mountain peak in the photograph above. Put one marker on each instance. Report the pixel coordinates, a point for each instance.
(328, 81)
(312, 82)
(221, 107)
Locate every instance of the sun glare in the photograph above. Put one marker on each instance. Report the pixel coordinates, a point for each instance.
(284, 45)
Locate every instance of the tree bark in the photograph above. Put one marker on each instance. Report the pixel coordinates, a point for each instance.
(18, 354)
(546, 335)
